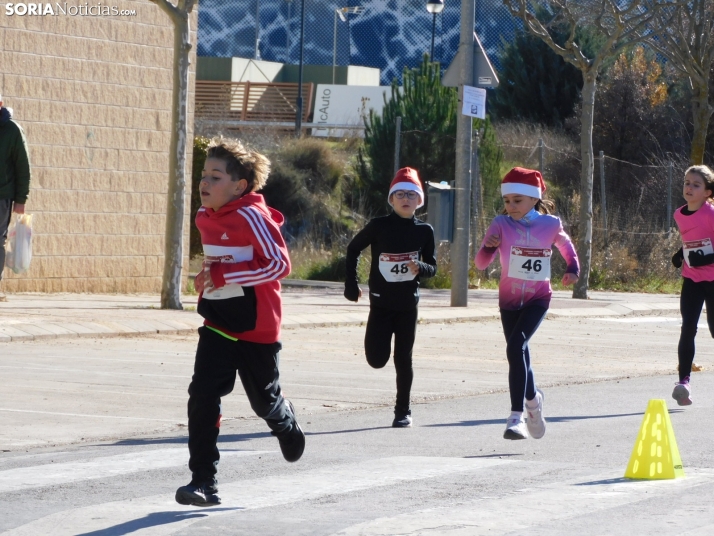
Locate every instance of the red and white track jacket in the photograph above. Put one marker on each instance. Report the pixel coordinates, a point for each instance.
(248, 257)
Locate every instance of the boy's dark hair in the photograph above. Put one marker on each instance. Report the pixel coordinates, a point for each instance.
(706, 174)
(544, 206)
(241, 163)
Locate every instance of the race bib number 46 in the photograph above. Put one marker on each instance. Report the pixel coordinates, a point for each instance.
(394, 267)
(702, 247)
(531, 264)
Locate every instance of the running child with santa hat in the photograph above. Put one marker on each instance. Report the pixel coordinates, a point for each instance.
(523, 236)
(403, 250)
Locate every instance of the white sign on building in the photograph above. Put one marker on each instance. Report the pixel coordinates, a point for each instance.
(346, 105)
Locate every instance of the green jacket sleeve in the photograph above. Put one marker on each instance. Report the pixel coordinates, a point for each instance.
(21, 163)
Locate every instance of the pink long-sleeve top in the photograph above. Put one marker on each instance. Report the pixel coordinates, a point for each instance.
(697, 230)
(530, 239)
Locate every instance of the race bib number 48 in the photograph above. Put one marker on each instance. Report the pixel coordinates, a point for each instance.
(531, 264)
(702, 247)
(394, 266)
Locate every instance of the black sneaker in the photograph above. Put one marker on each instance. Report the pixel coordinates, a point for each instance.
(198, 495)
(292, 442)
(402, 419)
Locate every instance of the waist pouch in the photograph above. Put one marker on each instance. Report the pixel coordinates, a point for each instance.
(236, 314)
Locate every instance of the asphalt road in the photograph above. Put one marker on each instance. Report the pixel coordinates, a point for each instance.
(94, 440)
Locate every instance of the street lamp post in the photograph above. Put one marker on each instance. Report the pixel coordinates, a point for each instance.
(257, 29)
(287, 39)
(434, 7)
(341, 12)
(298, 102)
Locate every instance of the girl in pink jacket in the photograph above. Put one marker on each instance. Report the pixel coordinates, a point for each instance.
(696, 225)
(523, 237)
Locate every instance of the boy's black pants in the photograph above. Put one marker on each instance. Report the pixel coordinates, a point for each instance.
(217, 361)
(518, 328)
(693, 296)
(381, 325)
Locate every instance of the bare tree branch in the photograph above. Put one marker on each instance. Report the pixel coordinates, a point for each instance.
(622, 24)
(688, 44)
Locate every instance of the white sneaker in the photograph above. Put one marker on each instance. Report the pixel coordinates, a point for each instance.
(682, 393)
(534, 419)
(515, 427)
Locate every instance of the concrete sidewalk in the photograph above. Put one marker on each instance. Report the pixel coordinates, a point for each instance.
(306, 304)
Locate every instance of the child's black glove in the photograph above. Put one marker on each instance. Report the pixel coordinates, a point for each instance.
(352, 291)
(699, 259)
(678, 258)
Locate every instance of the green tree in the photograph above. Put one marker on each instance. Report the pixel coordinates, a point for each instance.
(535, 83)
(428, 111)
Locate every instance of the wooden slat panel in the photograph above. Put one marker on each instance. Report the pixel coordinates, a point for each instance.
(249, 101)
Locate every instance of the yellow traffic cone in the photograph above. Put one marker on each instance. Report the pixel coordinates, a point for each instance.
(655, 456)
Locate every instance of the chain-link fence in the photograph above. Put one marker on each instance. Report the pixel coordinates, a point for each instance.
(634, 234)
(386, 34)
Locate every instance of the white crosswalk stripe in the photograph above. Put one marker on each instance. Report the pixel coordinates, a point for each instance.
(159, 515)
(100, 467)
(533, 508)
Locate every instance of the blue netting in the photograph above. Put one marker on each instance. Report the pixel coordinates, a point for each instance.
(389, 34)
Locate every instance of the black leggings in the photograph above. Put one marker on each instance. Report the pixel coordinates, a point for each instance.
(217, 361)
(518, 327)
(381, 325)
(693, 296)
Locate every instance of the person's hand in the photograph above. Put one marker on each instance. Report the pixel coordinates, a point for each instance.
(569, 279)
(492, 241)
(413, 267)
(203, 280)
(353, 292)
(699, 259)
(678, 258)
(18, 208)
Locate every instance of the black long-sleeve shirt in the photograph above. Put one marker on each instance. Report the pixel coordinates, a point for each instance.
(394, 241)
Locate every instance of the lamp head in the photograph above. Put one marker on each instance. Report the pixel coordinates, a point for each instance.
(435, 6)
(342, 11)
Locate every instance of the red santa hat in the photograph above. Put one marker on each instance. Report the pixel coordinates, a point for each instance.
(523, 181)
(407, 179)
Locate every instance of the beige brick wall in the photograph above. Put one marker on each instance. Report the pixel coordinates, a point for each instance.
(93, 94)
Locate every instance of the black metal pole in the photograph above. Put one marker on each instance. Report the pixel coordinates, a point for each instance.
(298, 115)
(433, 32)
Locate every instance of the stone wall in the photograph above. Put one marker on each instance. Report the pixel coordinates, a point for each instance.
(93, 94)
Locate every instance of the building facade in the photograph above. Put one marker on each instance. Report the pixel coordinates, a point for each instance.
(93, 93)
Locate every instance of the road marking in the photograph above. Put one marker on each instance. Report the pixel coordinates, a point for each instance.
(641, 319)
(533, 508)
(86, 416)
(54, 369)
(50, 474)
(159, 515)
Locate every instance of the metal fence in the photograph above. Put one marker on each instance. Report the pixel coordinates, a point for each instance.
(386, 34)
(634, 234)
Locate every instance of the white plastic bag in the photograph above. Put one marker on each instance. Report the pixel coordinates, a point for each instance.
(19, 244)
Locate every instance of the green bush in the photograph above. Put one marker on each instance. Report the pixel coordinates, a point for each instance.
(305, 185)
(200, 144)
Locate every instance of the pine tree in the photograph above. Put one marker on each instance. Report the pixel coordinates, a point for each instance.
(428, 112)
(535, 83)
(428, 141)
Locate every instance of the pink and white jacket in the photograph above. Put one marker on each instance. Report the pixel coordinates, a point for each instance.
(534, 230)
(695, 227)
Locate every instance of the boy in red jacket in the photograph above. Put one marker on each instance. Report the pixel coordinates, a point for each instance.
(239, 297)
